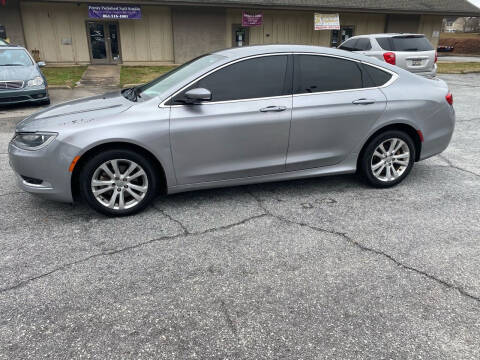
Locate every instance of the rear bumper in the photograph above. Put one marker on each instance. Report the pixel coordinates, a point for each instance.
(438, 133)
(428, 74)
(8, 97)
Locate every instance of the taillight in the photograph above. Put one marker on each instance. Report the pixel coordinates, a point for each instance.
(389, 57)
(449, 98)
(436, 57)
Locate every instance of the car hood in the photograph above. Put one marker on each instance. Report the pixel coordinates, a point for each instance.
(77, 112)
(18, 72)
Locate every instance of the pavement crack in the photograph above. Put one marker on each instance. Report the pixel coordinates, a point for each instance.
(368, 249)
(450, 164)
(226, 227)
(230, 323)
(178, 222)
(127, 248)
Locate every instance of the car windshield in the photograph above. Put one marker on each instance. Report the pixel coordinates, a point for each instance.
(3, 42)
(166, 81)
(14, 57)
(405, 43)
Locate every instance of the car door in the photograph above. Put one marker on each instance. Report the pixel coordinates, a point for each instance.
(334, 106)
(243, 131)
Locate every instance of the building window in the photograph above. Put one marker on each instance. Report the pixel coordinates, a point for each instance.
(339, 36)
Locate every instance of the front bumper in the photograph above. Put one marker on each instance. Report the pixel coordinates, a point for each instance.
(48, 165)
(8, 97)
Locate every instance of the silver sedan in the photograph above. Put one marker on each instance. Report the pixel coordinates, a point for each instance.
(237, 116)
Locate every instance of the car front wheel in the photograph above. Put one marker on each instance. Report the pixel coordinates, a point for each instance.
(388, 159)
(118, 182)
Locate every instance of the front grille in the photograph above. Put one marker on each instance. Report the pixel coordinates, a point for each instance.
(11, 85)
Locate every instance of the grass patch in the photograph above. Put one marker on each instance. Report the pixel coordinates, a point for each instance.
(458, 67)
(142, 74)
(68, 75)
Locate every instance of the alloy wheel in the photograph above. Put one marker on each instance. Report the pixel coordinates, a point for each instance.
(119, 184)
(390, 159)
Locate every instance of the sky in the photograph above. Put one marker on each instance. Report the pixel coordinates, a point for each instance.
(475, 2)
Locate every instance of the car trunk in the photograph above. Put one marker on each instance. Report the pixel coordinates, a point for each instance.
(412, 52)
(419, 61)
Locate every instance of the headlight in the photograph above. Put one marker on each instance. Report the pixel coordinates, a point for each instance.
(33, 141)
(35, 82)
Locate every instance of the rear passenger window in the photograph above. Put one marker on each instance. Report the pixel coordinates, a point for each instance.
(314, 73)
(349, 45)
(363, 44)
(375, 77)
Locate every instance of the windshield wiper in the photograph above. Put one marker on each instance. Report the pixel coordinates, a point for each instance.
(11, 65)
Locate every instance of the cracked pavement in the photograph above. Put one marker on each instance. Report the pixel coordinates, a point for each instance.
(307, 269)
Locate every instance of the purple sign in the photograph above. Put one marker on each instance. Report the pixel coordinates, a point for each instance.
(114, 12)
(252, 19)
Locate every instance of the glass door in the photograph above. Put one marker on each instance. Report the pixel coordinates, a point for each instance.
(103, 38)
(239, 35)
(339, 36)
(114, 42)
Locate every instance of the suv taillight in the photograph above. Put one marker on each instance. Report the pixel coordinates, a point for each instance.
(389, 57)
(449, 98)
(436, 56)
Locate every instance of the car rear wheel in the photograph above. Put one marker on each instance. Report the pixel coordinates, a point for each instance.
(387, 159)
(118, 182)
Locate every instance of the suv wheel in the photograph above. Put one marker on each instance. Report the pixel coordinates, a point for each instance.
(388, 159)
(118, 182)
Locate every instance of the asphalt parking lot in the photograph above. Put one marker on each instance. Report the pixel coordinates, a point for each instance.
(310, 269)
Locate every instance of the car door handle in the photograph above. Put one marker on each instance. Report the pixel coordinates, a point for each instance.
(363, 102)
(273, 108)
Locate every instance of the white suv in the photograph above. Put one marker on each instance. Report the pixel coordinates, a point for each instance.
(412, 52)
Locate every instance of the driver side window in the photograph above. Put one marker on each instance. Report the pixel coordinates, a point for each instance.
(248, 79)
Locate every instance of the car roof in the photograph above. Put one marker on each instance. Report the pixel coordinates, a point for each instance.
(386, 35)
(244, 51)
(233, 54)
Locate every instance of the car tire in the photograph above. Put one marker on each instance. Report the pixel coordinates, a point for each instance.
(118, 182)
(387, 159)
(44, 102)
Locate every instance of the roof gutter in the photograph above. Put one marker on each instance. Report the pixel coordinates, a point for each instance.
(211, 3)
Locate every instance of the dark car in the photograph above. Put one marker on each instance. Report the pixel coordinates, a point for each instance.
(21, 80)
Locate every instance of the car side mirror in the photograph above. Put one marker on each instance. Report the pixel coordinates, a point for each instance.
(41, 63)
(197, 95)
